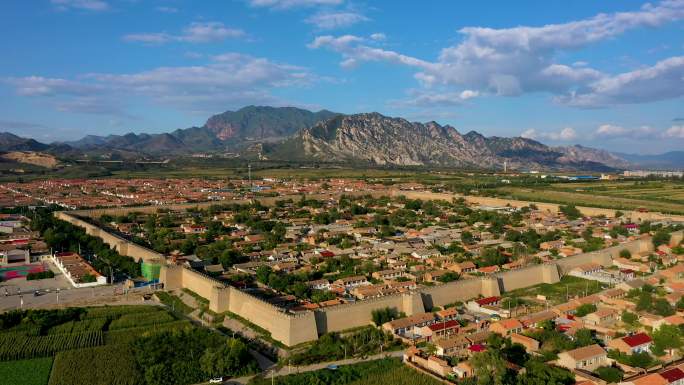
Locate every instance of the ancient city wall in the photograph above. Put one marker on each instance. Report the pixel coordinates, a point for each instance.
(121, 245)
(528, 276)
(346, 316)
(462, 290)
(290, 329)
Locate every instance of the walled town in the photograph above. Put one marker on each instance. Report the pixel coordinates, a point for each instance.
(463, 288)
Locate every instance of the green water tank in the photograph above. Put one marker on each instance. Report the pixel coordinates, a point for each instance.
(150, 270)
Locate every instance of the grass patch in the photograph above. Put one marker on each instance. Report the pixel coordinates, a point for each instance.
(595, 196)
(263, 333)
(568, 287)
(26, 372)
(201, 300)
(173, 302)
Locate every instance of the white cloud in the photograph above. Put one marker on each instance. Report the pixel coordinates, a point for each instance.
(285, 4)
(167, 9)
(354, 53)
(513, 61)
(564, 135)
(613, 131)
(333, 20)
(664, 80)
(87, 5)
(675, 132)
(469, 94)
(420, 98)
(204, 32)
(227, 80)
(378, 36)
(41, 86)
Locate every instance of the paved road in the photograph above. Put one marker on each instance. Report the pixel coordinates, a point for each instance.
(284, 371)
(69, 297)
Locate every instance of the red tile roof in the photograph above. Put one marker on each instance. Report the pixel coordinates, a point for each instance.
(673, 374)
(443, 325)
(476, 348)
(637, 339)
(487, 300)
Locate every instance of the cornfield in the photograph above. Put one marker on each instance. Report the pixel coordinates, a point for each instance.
(19, 347)
(144, 319)
(127, 335)
(102, 365)
(117, 311)
(398, 376)
(94, 324)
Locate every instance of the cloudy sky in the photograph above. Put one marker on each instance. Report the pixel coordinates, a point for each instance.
(608, 74)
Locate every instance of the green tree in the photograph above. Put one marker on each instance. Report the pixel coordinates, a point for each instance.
(663, 308)
(490, 368)
(231, 359)
(666, 337)
(645, 301)
(583, 337)
(624, 253)
(539, 373)
(609, 374)
(629, 318)
(585, 309)
(661, 237)
(571, 212)
(380, 316)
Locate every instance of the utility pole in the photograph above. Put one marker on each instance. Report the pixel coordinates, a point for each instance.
(249, 175)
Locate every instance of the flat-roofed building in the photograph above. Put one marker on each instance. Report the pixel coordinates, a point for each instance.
(586, 358)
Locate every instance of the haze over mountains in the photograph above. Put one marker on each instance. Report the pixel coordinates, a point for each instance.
(293, 134)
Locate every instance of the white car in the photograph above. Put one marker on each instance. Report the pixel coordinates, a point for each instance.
(217, 380)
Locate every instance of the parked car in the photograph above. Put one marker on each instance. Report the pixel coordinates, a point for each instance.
(218, 380)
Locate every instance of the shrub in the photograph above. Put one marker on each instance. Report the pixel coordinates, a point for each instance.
(40, 275)
(609, 374)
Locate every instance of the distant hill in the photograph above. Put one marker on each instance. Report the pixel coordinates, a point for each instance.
(668, 160)
(263, 123)
(226, 131)
(294, 134)
(11, 142)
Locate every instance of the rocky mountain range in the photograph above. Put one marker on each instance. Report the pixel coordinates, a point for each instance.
(381, 140)
(293, 134)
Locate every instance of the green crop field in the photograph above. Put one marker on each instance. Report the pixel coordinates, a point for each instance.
(666, 197)
(26, 372)
(113, 345)
(103, 365)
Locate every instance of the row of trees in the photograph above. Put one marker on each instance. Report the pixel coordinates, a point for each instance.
(63, 236)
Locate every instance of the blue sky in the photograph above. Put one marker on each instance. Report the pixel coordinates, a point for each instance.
(603, 74)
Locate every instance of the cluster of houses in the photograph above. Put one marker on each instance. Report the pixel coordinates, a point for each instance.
(457, 334)
(18, 244)
(407, 258)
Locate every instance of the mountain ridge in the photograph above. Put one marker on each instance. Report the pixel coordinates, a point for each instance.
(294, 134)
